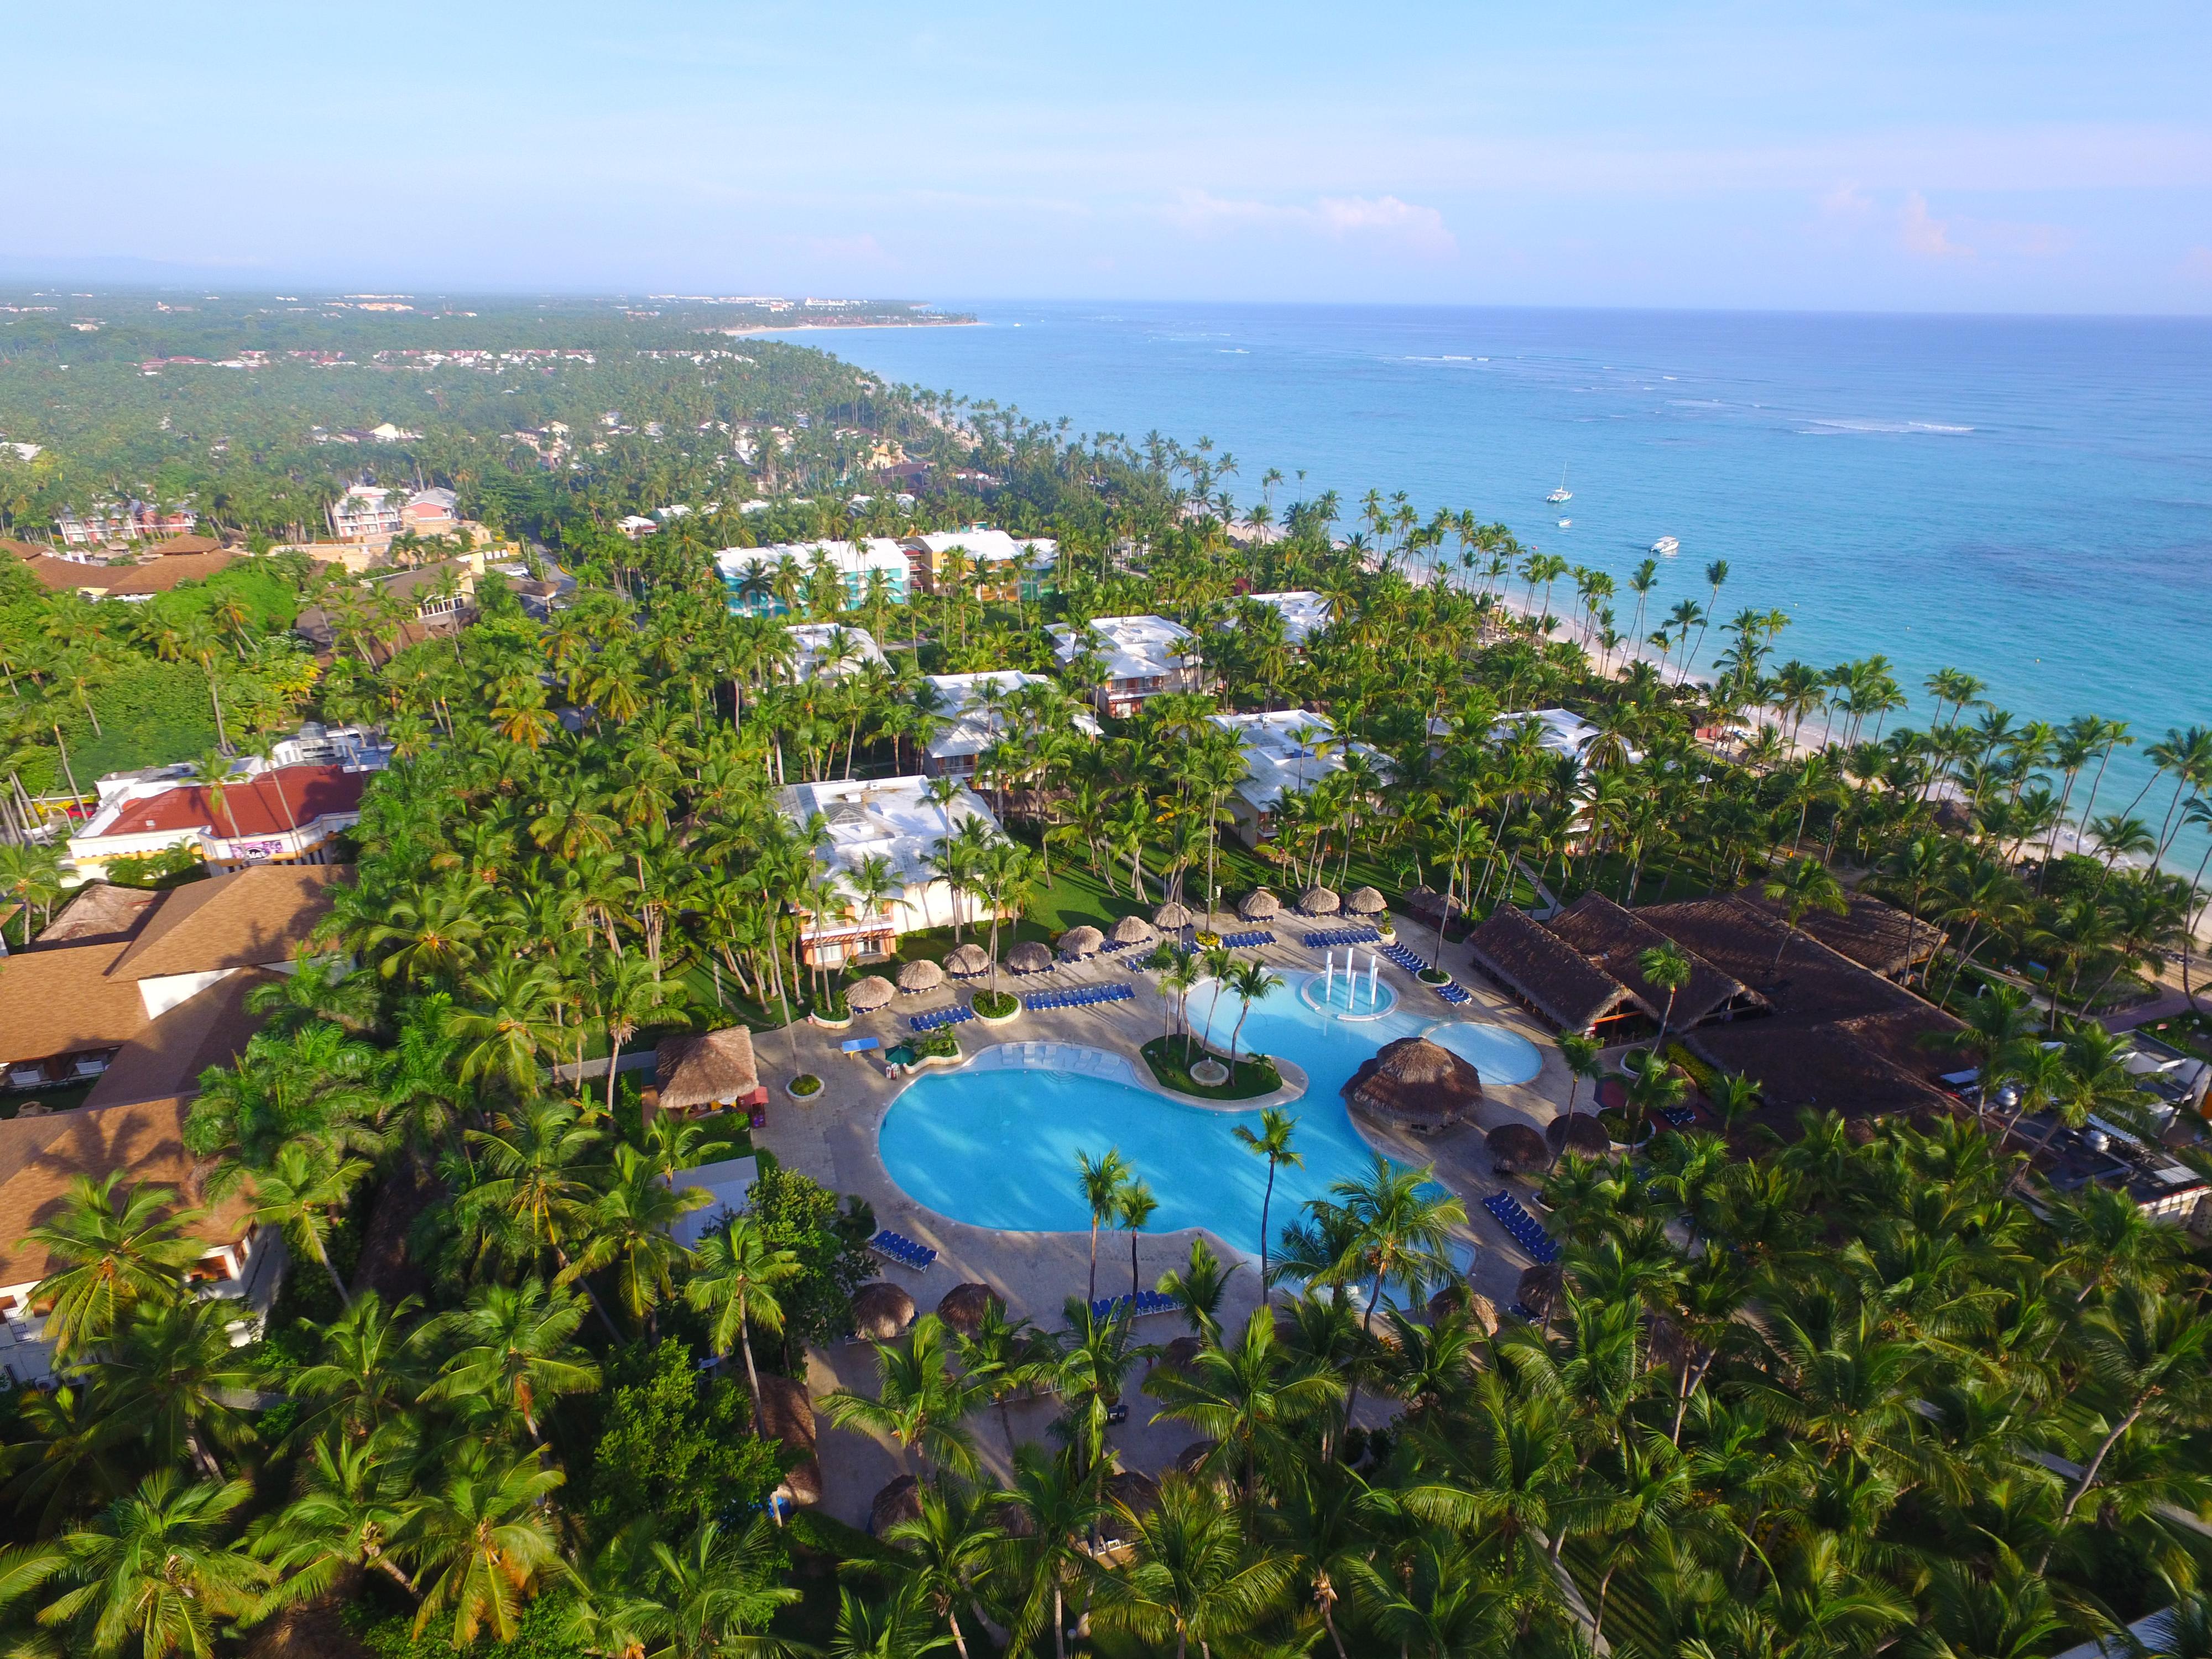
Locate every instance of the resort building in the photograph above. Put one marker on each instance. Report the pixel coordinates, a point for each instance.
(763, 582)
(1142, 657)
(1286, 751)
(971, 705)
(133, 583)
(240, 1263)
(894, 820)
(137, 993)
(1000, 567)
(1305, 614)
(830, 650)
(259, 815)
(1561, 731)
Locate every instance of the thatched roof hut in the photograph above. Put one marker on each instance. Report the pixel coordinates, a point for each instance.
(967, 962)
(965, 1306)
(881, 1311)
(1579, 1132)
(695, 1073)
(1514, 1148)
(1538, 1288)
(1428, 901)
(1194, 1458)
(1319, 901)
(1028, 957)
(788, 1415)
(1482, 1310)
(1134, 1490)
(899, 1501)
(1178, 1354)
(1132, 930)
(1450, 1299)
(1365, 901)
(1416, 1084)
(922, 975)
(867, 996)
(1077, 943)
(1259, 905)
(1171, 918)
(1547, 973)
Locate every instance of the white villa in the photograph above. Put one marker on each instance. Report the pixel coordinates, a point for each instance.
(1564, 733)
(1305, 614)
(1285, 751)
(971, 728)
(891, 818)
(1144, 656)
(830, 650)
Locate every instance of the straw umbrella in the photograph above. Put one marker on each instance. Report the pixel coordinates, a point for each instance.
(965, 1306)
(869, 994)
(1132, 930)
(1259, 905)
(922, 975)
(1417, 1084)
(1579, 1132)
(1539, 1287)
(1028, 957)
(1171, 918)
(1366, 902)
(1515, 1149)
(899, 1501)
(968, 962)
(1319, 901)
(881, 1311)
(1077, 943)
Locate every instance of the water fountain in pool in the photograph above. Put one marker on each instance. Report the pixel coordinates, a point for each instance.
(1349, 990)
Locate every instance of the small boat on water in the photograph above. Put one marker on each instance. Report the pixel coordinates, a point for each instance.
(1562, 494)
(1666, 547)
(1567, 524)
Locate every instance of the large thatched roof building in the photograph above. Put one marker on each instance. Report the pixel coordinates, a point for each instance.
(1521, 957)
(1415, 1084)
(1615, 939)
(707, 1073)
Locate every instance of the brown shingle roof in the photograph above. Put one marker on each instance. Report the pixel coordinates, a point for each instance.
(1615, 940)
(1799, 1063)
(66, 1001)
(716, 1069)
(164, 1060)
(65, 575)
(39, 1156)
(1544, 970)
(164, 574)
(243, 919)
(175, 545)
(1873, 934)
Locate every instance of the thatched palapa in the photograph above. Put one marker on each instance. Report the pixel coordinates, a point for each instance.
(1319, 901)
(788, 1415)
(1613, 941)
(1132, 930)
(698, 1072)
(1171, 918)
(1366, 902)
(1134, 1490)
(965, 1306)
(1428, 901)
(869, 994)
(1259, 905)
(899, 1501)
(1515, 1149)
(1416, 1084)
(1077, 943)
(881, 1311)
(967, 962)
(1539, 1287)
(1579, 1132)
(1028, 957)
(1526, 958)
(922, 975)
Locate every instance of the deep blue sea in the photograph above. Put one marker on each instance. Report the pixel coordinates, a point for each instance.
(2029, 499)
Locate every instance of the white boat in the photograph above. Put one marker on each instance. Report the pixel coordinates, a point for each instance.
(1562, 494)
(1567, 524)
(1666, 547)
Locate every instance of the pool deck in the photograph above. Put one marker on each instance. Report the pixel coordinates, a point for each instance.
(833, 1138)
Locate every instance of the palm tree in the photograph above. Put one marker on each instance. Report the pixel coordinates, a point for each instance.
(354, 1496)
(155, 1571)
(483, 1543)
(1133, 1206)
(1046, 1553)
(304, 1192)
(512, 1347)
(1199, 1287)
(734, 1275)
(110, 1260)
(1806, 885)
(1102, 1183)
(1196, 1576)
(631, 992)
(629, 1230)
(1251, 1398)
(1251, 980)
(1580, 1053)
(1274, 1143)
(923, 1402)
(888, 1630)
(946, 1551)
(1398, 1232)
(1665, 967)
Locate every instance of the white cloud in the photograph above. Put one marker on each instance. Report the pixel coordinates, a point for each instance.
(1922, 234)
(1384, 219)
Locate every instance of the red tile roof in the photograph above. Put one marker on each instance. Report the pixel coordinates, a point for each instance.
(250, 806)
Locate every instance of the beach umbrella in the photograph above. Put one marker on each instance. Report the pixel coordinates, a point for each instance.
(1483, 1311)
(1171, 918)
(1198, 1459)
(1132, 930)
(1580, 1134)
(965, 1306)
(922, 975)
(1259, 905)
(1178, 1354)
(866, 995)
(899, 1501)
(1028, 957)
(1134, 1490)
(1417, 1084)
(1538, 1287)
(1319, 901)
(1365, 901)
(1515, 1147)
(967, 962)
(881, 1311)
(1079, 942)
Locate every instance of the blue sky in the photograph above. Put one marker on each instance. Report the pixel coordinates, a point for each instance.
(1873, 155)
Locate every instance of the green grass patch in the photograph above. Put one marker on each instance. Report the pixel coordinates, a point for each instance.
(996, 1005)
(1172, 1057)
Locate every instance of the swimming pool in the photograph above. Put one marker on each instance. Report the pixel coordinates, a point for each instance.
(995, 1146)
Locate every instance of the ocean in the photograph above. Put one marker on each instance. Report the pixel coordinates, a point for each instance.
(2028, 499)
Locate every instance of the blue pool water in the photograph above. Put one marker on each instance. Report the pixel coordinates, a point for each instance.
(998, 1148)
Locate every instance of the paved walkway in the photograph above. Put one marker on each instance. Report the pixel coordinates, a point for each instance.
(833, 1138)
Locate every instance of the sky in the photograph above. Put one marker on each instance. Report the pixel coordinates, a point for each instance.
(1854, 154)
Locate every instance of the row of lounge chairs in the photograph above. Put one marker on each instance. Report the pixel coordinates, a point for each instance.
(1400, 957)
(1083, 996)
(1247, 941)
(1454, 994)
(1527, 1231)
(938, 1018)
(1148, 1302)
(1343, 936)
(899, 1249)
(1681, 1116)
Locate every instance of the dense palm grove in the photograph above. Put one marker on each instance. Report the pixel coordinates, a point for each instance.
(1874, 1388)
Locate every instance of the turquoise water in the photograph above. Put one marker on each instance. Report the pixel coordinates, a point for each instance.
(2029, 499)
(998, 1148)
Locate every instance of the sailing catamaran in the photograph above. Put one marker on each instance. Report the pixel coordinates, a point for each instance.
(1562, 494)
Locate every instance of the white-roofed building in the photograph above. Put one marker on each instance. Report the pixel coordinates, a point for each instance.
(1305, 614)
(1015, 568)
(1286, 751)
(830, 650)
(1563, 733)
(894, 820)
(750, 573)
(973, 725)
(1144, 656)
